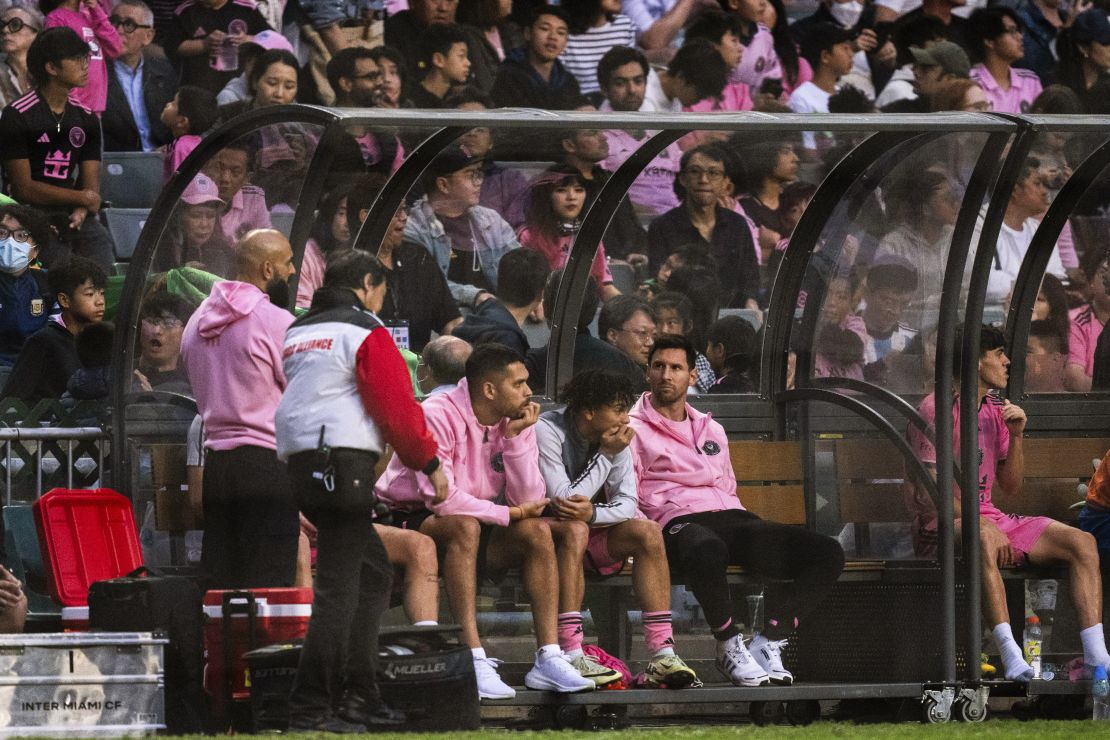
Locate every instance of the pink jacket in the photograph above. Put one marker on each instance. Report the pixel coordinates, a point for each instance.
(231, 350)
(95, 29)
(682, 467)
(486, 473)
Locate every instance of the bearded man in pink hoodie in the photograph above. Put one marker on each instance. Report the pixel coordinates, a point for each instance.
(231, 351)
(687, 484)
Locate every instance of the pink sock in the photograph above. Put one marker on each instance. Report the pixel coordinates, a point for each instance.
(658, 633)
(570, 632)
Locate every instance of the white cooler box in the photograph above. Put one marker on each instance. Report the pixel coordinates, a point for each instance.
(81, 684)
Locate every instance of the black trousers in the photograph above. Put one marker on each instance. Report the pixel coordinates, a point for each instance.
(353, 578)
(700, 547)
(250, 520)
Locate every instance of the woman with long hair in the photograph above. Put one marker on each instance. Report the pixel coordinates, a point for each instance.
(770, 166)
(1084, 52)
(273, 80)
(331, 234)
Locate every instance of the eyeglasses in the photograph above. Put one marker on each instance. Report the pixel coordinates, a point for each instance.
(126, 24)
(1013, 30)
(644, 335)
(475, 176)
(15, 25)
(20, 235)
(698, 173)
(164, 322)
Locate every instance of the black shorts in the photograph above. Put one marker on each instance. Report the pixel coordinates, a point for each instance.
(413, 520)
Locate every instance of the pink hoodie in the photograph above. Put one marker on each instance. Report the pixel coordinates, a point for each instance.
(92, 25)
(683, 467)
(486, 473)
(231, 351)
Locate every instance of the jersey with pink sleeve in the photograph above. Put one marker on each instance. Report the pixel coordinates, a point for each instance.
(1025, 86)
(1083, 332)
(760, 61)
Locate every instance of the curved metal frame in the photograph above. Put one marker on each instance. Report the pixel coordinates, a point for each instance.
(878, 393)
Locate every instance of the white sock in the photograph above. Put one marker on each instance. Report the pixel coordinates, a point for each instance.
(1094, 646)
(572, 654)
(427, 623)
(478, 653)
(1013, 662)
(549, 651)
(664, 652)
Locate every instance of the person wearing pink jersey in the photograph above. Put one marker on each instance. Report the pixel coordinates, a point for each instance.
(1007, 539)
(1087, 323)
(996, 39)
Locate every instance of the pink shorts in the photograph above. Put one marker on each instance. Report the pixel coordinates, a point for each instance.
(598, 559)
(1022, 531)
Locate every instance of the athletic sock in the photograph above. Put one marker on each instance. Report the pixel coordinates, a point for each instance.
(1094, 646)
(570, 633)
(1013, 662)
(549, 651)
(478, 653)
(726, 631)
(658, 633)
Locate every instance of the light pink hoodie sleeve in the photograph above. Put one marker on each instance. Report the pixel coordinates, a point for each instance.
(458, 502)
(523, 482)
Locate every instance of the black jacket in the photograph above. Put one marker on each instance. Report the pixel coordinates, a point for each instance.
(590, 353)
(492, 322)
(44, 366)
(518, 84)
(121, 134)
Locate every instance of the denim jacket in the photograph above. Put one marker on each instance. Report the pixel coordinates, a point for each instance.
(493, 237)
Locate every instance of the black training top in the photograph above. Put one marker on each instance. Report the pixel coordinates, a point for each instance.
(54, 144)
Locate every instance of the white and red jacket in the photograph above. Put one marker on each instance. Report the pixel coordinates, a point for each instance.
(346, 377)
(486, 473)
(683, 467)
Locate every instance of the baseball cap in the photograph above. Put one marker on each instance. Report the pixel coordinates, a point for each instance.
(946, 55)
(201, 190)
(451, 160)
(822, 37)
(270, 40)
(1091, 25)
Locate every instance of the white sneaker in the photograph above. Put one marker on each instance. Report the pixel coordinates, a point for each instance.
(490, 685)
(768, 653)
(734, 660)
(555, 673)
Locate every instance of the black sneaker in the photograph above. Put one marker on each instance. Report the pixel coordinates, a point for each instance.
(325, 723)
(372, 715)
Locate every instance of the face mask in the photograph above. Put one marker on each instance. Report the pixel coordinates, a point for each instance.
(847, 14)
(14, 256)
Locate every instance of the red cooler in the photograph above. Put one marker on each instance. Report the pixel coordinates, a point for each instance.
(237, 622)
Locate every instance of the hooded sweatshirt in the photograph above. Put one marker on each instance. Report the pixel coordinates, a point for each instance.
(683, 467)
(486, 472)
(231, 351)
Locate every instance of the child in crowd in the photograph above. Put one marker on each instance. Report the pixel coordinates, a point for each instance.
(674, 314)
(205, 39)
(331, 234)
(94, 350)
(1045, 355)
(733, 351)
(828, 48)
(444, 62)
(841, 333)
(724, 32)
(189, 116)
(891, 284)
(89, 18)
(687, 256)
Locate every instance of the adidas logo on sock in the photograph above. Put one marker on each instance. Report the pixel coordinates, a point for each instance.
(44, 139)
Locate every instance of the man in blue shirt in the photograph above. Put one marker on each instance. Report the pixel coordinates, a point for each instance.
(139, 85)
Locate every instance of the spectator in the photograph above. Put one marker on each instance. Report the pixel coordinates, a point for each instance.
(244, 204)
(272, 81)
(1051, 305)
(891, 284)
(89, 19)
(335, 26)
(795, 69)
(394, 75)
(900, 94)
(828, 49)
(238, 89)
(622, 75)
(698, 281)
(418, 290)
(491, 413)
(1042, 21)
(724, 32)
(403, 31)
(1084, 52)
(585, 150)
(660, 22)
(205, 38)
(955, 27)
(444, 63)
(759, 67)
(162, 319)
(1087, 322)
(24, 291)
(331, 234)
(732, 351)
(996, 40)
(628, 323)
(697, 71)
(700, 219)
(49, 356)
(140, 85)
(873, 57)
(90, 381)
(959, 95)
(444, 364)
(1045, 355)
(50, 147)
(13, 603)
(504, 189)
(491, 17)
(596, 26)
(688, 256)
(231, 352)
(522, 274)
(770, 166)
(189, 116)
(356, 78)
(590, 353)
(532, 76)
(18, 26)
(466, 240)
(933, 66)
(674, 314)
(195, 237)
(554, 218)
(841, 335)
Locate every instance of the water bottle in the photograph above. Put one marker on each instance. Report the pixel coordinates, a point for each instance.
(1032, 639)
(1100, 694)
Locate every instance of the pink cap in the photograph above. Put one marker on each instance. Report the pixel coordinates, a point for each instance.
(201, 190)
(270, 40)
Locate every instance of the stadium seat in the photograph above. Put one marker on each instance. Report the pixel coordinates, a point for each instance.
(125, 225)
(750, 315)
(131, 179)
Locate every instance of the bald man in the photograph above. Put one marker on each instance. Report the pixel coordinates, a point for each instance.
(442, 364)
(231, 351)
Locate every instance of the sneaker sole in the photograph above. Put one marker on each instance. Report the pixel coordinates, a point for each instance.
(675, 682)
(544, 684)
(748, 683)
(782, 680)
(496, 696)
